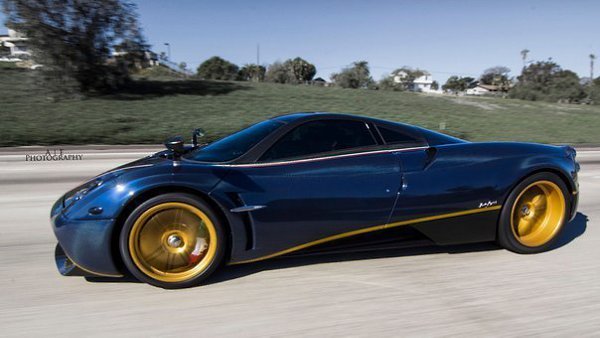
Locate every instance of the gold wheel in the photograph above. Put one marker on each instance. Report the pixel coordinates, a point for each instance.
(173, 242)
(538, 213)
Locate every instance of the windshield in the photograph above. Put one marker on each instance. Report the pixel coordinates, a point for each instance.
(234, 145)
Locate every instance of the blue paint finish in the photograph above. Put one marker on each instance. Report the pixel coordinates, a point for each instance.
(465, 175)
(87, 238)
(87, 242)
(310, 200)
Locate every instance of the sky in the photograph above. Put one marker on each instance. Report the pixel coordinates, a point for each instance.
(443, 37)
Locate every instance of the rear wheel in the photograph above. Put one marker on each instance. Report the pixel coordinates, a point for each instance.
(534, 214)
(172, 241)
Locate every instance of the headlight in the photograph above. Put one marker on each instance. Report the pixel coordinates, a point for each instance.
(78, 193)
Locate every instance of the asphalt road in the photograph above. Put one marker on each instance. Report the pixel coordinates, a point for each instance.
(463, 290)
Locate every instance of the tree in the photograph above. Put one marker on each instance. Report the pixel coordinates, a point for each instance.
(547, 81)
(496, 76)
(74, 39)
(279, 73)
(388, 83)
(252, 72)
(303, 70)
(457, 84)
(435, 85)
(595, 91)
(565, 87)
(292, 71)
(356, 76)
(216, 68)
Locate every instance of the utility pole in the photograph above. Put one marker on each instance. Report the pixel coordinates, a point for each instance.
(168, 50)
(592, 58)
(258, 54)
(524, 53)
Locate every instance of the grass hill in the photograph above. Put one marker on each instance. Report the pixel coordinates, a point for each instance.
(151, 110)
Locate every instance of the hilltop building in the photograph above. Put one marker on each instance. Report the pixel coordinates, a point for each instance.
(420, 84)
(14, 47)
(482, 89)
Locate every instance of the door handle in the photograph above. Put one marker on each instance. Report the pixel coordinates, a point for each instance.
(403, 183)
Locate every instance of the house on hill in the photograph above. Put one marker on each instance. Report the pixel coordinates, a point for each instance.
(14, 47)
(482, 89)
(139, 61)
(419, 84)
(319, 82)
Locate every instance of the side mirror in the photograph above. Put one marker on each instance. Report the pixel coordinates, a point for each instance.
(176, 145)
(198, 133)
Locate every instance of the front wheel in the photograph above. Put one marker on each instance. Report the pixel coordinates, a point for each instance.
(172, 241)
(534, 214)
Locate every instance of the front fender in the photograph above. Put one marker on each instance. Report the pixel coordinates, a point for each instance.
(88, 238)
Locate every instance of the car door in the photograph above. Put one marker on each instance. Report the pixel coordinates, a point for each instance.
(442, 193)
(320, 179)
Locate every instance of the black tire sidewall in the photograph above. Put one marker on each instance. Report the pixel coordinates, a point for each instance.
(506, 237)
(172, 197)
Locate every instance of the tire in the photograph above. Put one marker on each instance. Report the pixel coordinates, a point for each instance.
(534, 214)
(172, 241)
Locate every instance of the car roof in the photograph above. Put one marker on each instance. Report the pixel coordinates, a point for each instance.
(433, 137)
(303, 116)
(295, 118)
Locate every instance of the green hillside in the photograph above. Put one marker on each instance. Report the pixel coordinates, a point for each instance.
(150, 111)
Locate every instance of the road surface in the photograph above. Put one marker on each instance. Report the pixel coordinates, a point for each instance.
(462, 290)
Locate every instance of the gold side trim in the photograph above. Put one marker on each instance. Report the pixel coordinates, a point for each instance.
(366, 230)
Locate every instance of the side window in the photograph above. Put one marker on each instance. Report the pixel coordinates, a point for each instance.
(392, 136)
(319, 137)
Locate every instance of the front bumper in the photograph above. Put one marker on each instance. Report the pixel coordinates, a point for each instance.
(574, 204)
(86, 245)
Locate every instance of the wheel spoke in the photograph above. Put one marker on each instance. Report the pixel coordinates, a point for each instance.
(155, 254)
(524, 227)
(539, 201)
(158, 218)
(177, 218)
(152, 230)
(169, 261)
(191, 224)
(184, 256)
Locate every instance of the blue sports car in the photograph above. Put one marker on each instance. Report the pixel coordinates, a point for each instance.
(307, 183)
